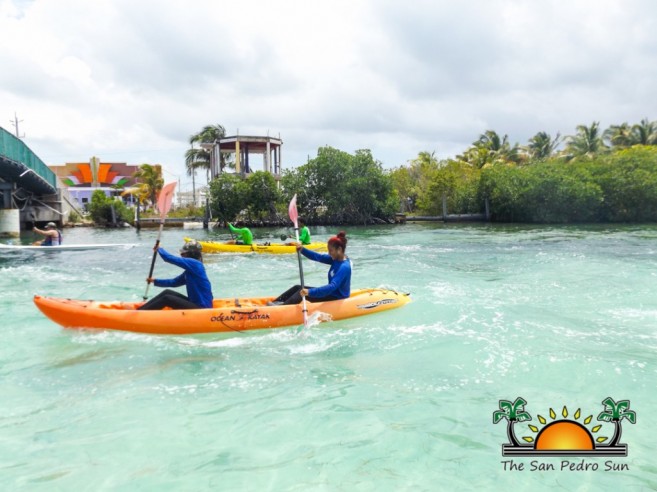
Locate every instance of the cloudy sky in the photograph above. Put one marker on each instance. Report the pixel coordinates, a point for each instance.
(131, 80)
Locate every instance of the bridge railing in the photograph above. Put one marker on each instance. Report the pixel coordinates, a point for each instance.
(15, 149)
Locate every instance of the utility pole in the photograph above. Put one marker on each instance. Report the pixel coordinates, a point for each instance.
(15, 122)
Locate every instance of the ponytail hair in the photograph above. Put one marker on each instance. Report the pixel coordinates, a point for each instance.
(339, 241)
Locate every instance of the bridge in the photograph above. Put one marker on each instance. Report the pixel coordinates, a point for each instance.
(29, 193)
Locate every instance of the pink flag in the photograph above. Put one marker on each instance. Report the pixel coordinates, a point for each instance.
(165, 198)
(292, 210)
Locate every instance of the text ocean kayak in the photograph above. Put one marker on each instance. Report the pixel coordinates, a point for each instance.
(267, 248)
(227, 314)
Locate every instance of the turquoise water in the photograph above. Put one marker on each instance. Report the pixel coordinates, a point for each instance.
(403, 400)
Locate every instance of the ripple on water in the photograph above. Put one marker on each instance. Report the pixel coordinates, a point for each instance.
(557, 315)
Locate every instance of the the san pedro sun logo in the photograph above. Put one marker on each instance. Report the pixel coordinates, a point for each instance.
(565, 436)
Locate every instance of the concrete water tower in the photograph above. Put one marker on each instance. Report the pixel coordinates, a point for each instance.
(243, 147)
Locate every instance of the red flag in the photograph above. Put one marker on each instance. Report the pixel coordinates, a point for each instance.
(292, 210)
(165, 198)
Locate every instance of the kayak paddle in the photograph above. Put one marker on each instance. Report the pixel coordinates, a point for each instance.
(294, 215)
(163, 204)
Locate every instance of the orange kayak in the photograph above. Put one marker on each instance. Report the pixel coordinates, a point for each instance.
(227, 315)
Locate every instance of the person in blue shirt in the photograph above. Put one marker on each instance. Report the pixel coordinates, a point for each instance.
(195, 278)
(339, 275)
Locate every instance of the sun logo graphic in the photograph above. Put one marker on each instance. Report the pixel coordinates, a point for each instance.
(565, 436)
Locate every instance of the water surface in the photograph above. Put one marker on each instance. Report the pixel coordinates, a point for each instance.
(403, 400)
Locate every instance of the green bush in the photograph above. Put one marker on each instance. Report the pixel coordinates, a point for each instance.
(73, 217)
(616, 187)
(101, 206)
(227, 196)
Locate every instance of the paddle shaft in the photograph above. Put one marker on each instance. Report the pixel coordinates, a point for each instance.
(163, 204)
(157, 245)
(303, 298)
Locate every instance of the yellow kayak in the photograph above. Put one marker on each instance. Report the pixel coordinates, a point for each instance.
(266, 248)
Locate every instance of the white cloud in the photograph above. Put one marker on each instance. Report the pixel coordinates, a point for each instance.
(131, 81)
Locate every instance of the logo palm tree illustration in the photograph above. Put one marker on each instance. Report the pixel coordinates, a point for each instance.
(616, 412)
(513, 412)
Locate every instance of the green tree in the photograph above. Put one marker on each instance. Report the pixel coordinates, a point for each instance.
(512, 412)
(554, 193)
(228, 196)
(337, 187)
(628, 180)
(403, 185)
(101, 207)
(542, 146)
(645, 133)
(262, 195)
(490, 148)
(151, 181)
(199, 157)
(616, 412)
(420, 174)
(586, 143)
(368, 193)
(458, 182)
(619, 135)
(322, 182)
(505, 186)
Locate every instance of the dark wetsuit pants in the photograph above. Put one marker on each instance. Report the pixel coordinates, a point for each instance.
(169, 298)
(292, 296)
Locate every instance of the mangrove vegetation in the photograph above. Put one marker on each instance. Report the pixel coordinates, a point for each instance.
(590, 176)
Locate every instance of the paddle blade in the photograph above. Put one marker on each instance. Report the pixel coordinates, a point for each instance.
(165, 198)
(292, 210)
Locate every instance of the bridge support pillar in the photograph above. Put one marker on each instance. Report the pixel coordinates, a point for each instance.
(10, 225)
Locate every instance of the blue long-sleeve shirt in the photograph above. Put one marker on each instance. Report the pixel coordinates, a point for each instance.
(339, 276)
(199, 290)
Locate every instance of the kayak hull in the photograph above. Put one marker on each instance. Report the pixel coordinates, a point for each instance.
(62, 247)
(227, 315)
(212, 247)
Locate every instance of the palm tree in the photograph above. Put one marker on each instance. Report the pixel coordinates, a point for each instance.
(645, 133)
(513, 412)
(586, 143)
(619, 135)
(499, 149)
(196, 158)
(490, 148)
(615, 412)
(151, 180)
(541, 146)
(477, 157)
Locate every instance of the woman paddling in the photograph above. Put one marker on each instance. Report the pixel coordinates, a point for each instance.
(199, 290)
(339, 275)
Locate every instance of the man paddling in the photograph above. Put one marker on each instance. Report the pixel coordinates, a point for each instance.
(244, 235)
(52, 235)
(304, 233)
